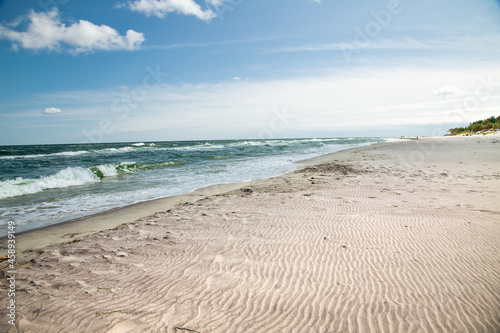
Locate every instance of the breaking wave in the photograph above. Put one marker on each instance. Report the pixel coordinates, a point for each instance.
(74, 176)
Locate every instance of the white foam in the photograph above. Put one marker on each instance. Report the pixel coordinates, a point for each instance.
(206, 146)
(64, 178)
(247, 143)
(22, 156)
(70, 153)
(139, 144)
(64, 153)
(263, 143)
(108, 170)
(116, 150)
(329, 140)
(128, 163)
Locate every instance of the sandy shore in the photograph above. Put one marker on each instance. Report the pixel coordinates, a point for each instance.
(394, 237)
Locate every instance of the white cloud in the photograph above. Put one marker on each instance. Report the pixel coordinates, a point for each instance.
(365, 98)
(217, 3)
(160, 8)
(52, 110)
(236, 78)
(447, 91)
(46, 31)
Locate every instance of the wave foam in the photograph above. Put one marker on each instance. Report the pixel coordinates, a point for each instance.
(74, 176)
(64, 153)
(115, 150)
(70, 153)
(64, 178)
(108, 170)
(206, 146)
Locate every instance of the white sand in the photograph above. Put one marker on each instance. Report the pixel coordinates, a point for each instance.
(407, 240)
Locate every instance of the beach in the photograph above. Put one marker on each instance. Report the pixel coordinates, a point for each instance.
(43, 185)
(393, 237)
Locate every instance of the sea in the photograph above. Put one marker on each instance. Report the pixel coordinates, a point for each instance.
(41, 185)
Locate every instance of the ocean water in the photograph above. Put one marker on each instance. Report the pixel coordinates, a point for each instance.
(42, 185)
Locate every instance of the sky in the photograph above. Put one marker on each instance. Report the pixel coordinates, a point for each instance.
(153, 70)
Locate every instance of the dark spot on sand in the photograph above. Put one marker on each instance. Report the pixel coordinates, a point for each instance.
(335, 168)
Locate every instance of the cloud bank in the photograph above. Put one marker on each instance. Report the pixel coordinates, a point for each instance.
(45, 31)
(368, 99)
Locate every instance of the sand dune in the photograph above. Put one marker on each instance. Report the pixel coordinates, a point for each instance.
(404, 239)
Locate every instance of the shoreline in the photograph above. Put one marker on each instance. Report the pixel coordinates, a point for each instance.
(70, 230)
(393, 237)
(74, 229)
(79, 182)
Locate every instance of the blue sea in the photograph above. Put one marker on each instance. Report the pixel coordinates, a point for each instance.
(42, 185)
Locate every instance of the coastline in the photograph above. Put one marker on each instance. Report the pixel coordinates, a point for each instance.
(72, 229)
(32, 241)
(398, 236)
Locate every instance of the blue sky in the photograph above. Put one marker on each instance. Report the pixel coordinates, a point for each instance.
(143, 70)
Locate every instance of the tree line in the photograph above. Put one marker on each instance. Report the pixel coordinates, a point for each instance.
(490, 124)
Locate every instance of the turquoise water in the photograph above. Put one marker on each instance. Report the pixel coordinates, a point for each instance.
(47, 184)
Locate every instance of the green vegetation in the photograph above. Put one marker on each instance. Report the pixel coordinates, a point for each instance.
(485, 125)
